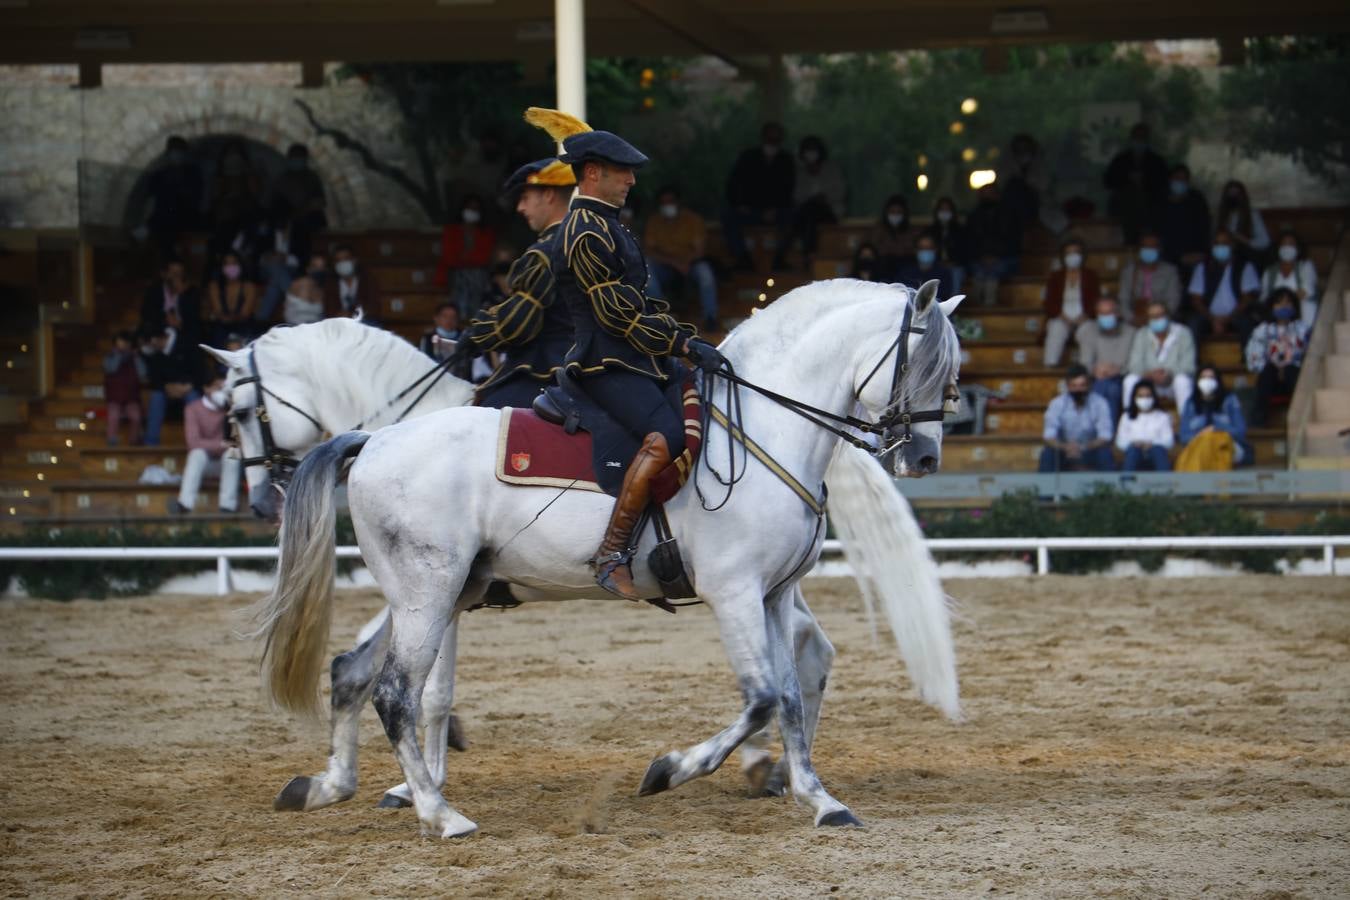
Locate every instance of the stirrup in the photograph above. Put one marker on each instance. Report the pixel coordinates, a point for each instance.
(605, 570)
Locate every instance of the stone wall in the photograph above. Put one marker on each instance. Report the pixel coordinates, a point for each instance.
(47, 130)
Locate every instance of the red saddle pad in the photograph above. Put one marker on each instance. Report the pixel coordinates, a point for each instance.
(536, 453)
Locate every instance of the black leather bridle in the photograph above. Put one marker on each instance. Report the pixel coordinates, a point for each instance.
(279, 462)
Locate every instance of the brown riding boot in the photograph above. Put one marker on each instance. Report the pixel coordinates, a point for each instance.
(610, 562)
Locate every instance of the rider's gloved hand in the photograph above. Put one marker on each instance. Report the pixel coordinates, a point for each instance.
(704, 355)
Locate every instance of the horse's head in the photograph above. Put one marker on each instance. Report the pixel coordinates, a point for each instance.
(270, 431)
(909, 381)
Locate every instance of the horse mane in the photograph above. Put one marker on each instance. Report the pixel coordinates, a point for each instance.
(326, 353)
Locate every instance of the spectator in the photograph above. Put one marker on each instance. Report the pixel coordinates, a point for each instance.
(204, 433)
(298, 202)
(1164, 353)
(1024, 180)
(231, 300)
(1292, 269)
(480, 174)
(995, 244)
(1275, 351)
(172, 378)
(1148, 277)
(277, 267)
(123, 373)
(818, 195)
(1104, 344)
(1137, 180)
(1077, 430)
(170, 302)
(1223, 291)
(305, 297)
(442, 340)
(236, 200)
(950, 235)
(353, 289)
(925, 266)
(175, 192)
(893, 238)
(1184, 221)
(759, 192)
(865, 264)
(1069, 299)
(675, 242)
(1245, 224)
(466, 248)
(1213, 431)
(1144, 434)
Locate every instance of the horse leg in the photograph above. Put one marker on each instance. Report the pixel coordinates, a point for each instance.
(793, 719)
(352, 677)
(815, 658)
(740, 620)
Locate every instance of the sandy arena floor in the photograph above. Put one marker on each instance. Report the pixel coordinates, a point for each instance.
(1127, 738)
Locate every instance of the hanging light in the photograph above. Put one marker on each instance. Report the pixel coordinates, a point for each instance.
(968, 154)
(957, 127)
(969, 105)
(921, 182)
(981, 177)
(768, 282)
(923, 160)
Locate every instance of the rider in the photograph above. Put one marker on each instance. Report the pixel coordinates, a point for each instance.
(532, 330)
(624, 339)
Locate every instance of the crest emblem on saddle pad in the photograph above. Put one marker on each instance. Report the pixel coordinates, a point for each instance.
(520, 461)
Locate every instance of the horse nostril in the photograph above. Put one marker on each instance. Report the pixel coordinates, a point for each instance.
(928, 464)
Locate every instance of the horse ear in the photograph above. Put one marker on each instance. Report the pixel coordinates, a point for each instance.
(949, 305)
(233, 359)
(923, 298)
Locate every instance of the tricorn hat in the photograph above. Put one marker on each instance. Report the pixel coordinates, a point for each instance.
(581, 142)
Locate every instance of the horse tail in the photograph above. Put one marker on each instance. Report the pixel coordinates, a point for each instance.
(885, 547)
(294, 617)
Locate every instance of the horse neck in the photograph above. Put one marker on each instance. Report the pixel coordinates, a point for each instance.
(354, 382)
(813, 358)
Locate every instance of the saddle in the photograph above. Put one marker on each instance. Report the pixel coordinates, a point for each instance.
(567, 441)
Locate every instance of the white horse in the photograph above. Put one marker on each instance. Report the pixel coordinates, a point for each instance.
(332, 375)
(820, 345)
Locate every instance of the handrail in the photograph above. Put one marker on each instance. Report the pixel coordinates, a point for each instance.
(1330, 308)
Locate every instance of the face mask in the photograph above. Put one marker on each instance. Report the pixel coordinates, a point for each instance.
(1179, 188)
(1144, 403)
(1207, 386)
(1222, 252)
(345, 267)
(944, 215)
(231, 270)
(1289, 253)
(1106, 321)
(1158, 326)
(1073, 260)
(669, 210)
(926, 257)
(811, 157)
(471, 216)
(895, 219)
(1079, 397)
(1148, 255)
(1284, 313)
(217, 399)
(447, 333)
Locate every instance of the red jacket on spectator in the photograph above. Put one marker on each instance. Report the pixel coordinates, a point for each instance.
(465, 247)
(1054, 293)
(204, 427)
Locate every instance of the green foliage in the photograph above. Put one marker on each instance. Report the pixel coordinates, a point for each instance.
(1290, 98)
(1109, 512)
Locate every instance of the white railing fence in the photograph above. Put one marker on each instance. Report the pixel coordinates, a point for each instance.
(1040, 545)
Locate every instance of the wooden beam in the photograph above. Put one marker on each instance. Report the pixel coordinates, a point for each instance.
(311, 73)
(91, 74)
(707, 31)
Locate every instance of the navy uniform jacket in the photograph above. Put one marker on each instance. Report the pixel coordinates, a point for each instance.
(529, 326)
(601, 276)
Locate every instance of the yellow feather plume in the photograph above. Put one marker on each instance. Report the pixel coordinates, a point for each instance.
(558, 124)
(555, 174)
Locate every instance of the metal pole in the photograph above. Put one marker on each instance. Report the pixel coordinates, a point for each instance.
(1042, 559)
(569, 37)
(222, 576)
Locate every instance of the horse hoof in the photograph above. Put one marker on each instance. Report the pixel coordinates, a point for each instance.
(658, 775)
(455, 739)
(776, 784)
(840, 818)
(294, 795)
(760, 776)
(393, 801)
